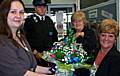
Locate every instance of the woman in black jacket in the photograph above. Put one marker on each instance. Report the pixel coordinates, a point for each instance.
(85, 36)
(108, 59)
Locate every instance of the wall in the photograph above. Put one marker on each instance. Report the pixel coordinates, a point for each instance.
(101, 11)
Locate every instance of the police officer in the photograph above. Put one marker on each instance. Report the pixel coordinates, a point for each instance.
(39, 28)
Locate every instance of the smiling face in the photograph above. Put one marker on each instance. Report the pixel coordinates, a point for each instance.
(15, 15)
(78, 24)
(107, 40)
(108, 33)
(78, 20)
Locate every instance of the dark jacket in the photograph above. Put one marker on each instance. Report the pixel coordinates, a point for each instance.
(14, 61)
(89, 41)
(40, 34)
(110, 65)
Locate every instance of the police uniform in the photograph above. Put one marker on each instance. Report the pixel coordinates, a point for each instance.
(40, 30)
(41, 34)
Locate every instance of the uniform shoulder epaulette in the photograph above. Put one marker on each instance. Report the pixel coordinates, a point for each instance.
(31, 16)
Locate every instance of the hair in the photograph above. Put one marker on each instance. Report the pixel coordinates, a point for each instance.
(1, 1)
(4, 10)
(109, 26)
(80, 15)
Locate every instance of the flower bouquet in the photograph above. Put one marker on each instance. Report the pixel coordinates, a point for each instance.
(67, 55)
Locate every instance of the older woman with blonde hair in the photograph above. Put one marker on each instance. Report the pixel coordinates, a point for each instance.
(108, 59)
(85, 36)
(83, 33)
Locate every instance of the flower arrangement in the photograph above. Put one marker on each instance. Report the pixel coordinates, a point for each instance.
(67, 54)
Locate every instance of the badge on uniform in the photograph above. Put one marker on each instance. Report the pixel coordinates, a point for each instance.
(35, 19)
(50, 33)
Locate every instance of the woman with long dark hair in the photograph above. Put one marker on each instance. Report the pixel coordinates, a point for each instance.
(16, 58)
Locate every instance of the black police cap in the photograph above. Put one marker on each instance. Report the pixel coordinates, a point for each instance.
(39, 2)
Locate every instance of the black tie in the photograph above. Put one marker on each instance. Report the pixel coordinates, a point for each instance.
(42, 18)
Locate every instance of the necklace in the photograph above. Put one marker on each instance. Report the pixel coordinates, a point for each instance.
(21, 43)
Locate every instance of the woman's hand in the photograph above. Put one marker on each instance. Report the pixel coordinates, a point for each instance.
(79, 34)
(43, 70)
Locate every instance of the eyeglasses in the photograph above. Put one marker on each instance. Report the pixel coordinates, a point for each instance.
(77, 21)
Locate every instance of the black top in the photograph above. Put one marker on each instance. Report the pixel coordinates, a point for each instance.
(41, 34)
(110, 65)
(89, 41)
(14, 61)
